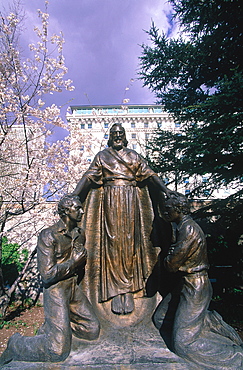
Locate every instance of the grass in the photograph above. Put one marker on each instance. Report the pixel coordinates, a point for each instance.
(7, 324)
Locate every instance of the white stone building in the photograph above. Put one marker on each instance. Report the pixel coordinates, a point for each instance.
(92, 124)
(139, 122)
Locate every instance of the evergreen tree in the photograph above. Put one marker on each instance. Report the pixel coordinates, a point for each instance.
(198, 77)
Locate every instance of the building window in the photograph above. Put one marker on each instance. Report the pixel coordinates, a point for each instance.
(138, 110)
(134, 136)
(187, 191)
(106, 125)
(82, 148)
(186, 180)
(177, 124)
(134, 146)
(82, 126)
(106, 136)
(133, 124)
(146, 125)
(84, 111)
(159, 124)
(146, 136)
(89, 126)
(204, 179)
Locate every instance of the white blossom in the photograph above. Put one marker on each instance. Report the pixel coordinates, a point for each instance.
(32, 170)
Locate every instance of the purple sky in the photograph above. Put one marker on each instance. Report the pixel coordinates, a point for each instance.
(101, 48)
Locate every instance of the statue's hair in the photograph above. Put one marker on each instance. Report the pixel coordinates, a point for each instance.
(66, 202)
(125, 142)
(180, 202)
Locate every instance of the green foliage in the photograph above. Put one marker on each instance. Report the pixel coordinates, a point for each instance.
(187, 67)
(199, 79)
(229, 305)
(13, 260)
(8, 324)
(11, 254)
(164, 155)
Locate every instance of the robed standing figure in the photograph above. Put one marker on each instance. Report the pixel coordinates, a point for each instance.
(125, 219)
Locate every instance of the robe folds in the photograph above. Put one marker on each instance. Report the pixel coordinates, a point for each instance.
(193, 331)
(118, 222)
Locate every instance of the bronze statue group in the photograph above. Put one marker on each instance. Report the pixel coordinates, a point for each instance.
(116, 191)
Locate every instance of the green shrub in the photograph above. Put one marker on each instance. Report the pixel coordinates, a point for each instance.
(13, 260)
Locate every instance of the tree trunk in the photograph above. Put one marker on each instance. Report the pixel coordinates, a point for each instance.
(2, 290)
(5, 299)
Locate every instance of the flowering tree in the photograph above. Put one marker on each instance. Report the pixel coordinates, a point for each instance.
(32, 170)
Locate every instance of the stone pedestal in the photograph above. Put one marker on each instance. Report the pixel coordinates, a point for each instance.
(132, 347)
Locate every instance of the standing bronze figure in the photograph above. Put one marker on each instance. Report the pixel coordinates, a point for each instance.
(61, 258)
(125, 263)
(198, 335)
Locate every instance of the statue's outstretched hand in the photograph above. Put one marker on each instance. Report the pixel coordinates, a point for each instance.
(170, 193)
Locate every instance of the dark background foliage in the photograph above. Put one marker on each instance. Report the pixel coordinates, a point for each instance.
(198, 77)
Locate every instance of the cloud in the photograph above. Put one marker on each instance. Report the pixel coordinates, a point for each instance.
(102, 45)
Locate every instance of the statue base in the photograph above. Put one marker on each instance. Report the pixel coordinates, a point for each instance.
(130, 348)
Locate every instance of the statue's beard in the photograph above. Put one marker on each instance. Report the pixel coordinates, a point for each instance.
(117, 145)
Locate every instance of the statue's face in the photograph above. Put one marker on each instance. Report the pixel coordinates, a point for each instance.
(170, 212)
(75, 211)
(117, 136)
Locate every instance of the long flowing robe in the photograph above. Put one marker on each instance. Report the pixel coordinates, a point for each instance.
(125, 215)
(199, 335)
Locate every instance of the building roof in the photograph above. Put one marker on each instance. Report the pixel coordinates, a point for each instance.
(114, 106)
